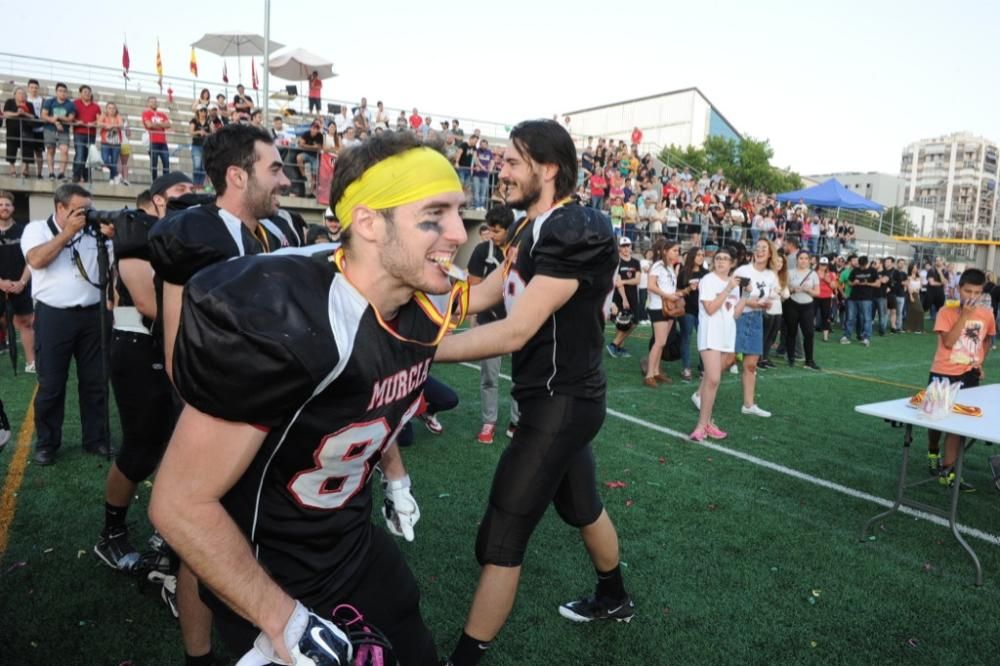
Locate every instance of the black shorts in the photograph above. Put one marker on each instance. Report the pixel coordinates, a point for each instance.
(969, 379)
(143, 394)
(385, 594)
(656, 315)
(22, 303)
(550, 460)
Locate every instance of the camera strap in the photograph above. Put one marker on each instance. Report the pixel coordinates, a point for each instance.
(74, 253)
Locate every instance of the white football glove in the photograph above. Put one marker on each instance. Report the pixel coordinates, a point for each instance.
(401, 512)
(310, 640)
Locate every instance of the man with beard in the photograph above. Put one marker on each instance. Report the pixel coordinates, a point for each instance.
(246, 172)
(554, 284)
(298, 373)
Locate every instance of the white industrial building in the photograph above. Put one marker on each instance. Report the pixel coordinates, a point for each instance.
(680, 118)
(955, 176)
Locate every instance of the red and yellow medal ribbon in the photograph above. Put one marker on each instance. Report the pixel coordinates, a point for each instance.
(455, 311)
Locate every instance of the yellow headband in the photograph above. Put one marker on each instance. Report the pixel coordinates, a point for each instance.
(401, 179)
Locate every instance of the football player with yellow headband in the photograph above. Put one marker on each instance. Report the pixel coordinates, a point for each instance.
(299, 372)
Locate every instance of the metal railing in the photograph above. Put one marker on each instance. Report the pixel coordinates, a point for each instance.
(141, 82)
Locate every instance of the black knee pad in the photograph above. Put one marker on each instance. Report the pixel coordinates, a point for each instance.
(138, 463)
(579, 511)
(503, 538)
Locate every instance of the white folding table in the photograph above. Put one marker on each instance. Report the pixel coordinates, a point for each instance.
(985, 428)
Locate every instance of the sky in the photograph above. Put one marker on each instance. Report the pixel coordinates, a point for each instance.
(840, 86)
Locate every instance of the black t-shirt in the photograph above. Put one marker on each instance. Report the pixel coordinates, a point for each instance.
(286, 343)
(486, 258)
(564, 355)
(863, 293)
(690, 300)
(897, 283)
(468, 152)
(19, 125)
(942, 278)
(885, 290)
(310, 140)
(11, 258)
(197, 139)
(628, 270)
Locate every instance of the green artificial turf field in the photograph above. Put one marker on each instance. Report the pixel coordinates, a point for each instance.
(744, 551)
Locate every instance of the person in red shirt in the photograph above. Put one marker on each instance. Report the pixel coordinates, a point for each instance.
(965, 333)
(416, 120)
(598, 185)
(156, 123)
(636, 138)
(315, 91)
(84, 132)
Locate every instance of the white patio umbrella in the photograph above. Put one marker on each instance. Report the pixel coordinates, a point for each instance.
(228, 44)
(298, 64)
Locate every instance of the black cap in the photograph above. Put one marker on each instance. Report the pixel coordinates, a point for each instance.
(168, 180)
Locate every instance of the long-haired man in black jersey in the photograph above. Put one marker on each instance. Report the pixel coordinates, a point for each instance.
(555, 284)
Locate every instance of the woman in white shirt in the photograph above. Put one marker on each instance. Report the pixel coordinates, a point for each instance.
(760, 282)
(719, 306)
(662, 285)
(803, 287)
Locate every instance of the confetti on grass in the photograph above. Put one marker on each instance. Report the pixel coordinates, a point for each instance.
(616, 484)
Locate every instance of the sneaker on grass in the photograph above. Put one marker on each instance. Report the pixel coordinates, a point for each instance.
(754, 410)
(947, 478)
(485, 435)
(933, 463)
(432, 423)
(593, 608)
(115, 550)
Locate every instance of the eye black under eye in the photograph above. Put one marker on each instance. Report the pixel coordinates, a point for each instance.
(429, 225)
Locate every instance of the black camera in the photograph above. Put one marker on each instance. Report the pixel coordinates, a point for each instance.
(95, 218)
(744, 282)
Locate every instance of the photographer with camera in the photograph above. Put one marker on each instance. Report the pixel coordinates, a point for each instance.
(62, 253)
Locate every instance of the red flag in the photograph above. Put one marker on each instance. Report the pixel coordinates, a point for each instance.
(253, 73)
(159, 66)
(126, 62)
(225, 74)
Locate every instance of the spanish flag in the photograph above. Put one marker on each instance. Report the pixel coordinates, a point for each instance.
(159, 66)
(194, 63)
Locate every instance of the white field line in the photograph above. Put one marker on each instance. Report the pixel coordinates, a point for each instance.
(795, 474)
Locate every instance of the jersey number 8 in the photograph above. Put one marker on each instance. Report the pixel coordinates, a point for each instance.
(343, 463)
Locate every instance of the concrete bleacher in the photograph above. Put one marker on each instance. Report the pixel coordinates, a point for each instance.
(131, 104)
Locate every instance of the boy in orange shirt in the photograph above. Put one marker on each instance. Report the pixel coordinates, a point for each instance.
(964, 333)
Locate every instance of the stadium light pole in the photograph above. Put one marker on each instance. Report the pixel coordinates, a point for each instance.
(267, 57)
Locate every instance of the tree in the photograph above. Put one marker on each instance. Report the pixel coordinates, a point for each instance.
(745, 163)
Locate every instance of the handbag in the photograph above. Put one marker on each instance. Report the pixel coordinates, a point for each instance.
(673, 308)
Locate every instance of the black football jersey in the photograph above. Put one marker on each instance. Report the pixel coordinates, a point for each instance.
(185, 241)
(11, 258)
(564, 356)
(286, 342)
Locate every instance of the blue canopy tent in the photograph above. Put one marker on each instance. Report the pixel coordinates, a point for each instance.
(830, 194)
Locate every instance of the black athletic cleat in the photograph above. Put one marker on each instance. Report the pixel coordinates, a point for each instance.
(593, 608)
(115, 550)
